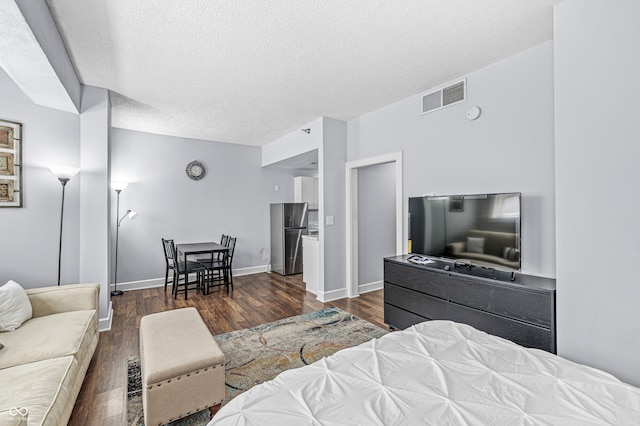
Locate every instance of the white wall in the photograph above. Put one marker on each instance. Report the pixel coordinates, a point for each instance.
(597, 175)
(376, 220)
(294, 143)
(37, 15)
(95, 122)
(509, 148)
(29, 236)
(233, 198)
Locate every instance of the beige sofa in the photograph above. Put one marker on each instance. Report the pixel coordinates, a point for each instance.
(491, 250)
(44, 361)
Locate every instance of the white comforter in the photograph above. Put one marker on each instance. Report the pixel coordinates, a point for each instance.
(438, 373)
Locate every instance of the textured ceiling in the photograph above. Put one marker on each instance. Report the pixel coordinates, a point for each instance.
(251, 71)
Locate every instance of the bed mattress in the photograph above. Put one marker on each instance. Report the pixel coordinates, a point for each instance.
(438, 373)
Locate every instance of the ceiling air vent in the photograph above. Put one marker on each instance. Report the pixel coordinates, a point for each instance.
(444, 97)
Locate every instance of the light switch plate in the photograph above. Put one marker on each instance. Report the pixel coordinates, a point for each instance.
(329, 220)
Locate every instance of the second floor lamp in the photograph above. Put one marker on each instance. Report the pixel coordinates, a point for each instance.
(118, 187)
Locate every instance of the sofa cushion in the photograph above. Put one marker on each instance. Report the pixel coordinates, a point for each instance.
(475, 245)
(44, 388)
(495, 242)
(511, 253)
(15, 307)
(57, 335)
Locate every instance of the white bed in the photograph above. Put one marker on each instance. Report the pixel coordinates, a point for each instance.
(437, 373)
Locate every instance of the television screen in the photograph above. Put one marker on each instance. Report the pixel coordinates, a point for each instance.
(481, 229)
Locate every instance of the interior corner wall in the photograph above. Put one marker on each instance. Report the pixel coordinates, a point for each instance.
(332, 156)
(94, 192)
(38, 16)
(293, 143)
(233, 198)
(510, 148)
(597, 174)
(30, 235)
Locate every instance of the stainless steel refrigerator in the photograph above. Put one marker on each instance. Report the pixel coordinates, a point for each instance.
(288, 225)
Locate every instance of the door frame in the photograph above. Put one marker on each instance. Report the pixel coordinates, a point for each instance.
(352, 213)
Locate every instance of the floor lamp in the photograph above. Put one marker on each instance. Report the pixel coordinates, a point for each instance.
(64, 174)
(118, 187)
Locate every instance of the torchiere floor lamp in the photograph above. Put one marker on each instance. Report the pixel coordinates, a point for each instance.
(64, 174)
(118, 187)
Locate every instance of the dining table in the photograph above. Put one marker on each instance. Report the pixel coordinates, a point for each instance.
(192, 249)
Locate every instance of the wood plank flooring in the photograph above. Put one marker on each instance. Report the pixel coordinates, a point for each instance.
(256, 299)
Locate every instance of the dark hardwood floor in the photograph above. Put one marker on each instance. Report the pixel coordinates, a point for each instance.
(256, 299)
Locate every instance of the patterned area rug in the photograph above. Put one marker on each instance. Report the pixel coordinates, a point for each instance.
(255, 355)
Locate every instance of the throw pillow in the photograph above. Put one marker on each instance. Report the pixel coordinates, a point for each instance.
(511, 253)
(15, 307)
(475, 245)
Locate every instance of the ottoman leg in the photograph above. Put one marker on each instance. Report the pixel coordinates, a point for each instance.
(214, 409)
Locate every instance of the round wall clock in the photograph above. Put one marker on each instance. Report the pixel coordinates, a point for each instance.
(196, 170)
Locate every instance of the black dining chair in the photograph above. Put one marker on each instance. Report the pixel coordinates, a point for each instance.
(168, 260)
(219, 270)
(224, 241)
(181, 271)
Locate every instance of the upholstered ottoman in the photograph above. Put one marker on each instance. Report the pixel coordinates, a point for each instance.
(182, 366)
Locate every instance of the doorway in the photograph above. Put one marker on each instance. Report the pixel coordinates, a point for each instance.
(352, 234)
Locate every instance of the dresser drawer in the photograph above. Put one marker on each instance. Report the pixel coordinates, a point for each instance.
(415, 278)
(413, 301)
(399, 318)
(528, 335)
(518, 303)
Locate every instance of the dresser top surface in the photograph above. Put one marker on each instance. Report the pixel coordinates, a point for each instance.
(481, 273)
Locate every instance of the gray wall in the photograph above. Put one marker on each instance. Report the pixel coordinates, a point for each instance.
(597, 175)
(332, 180)
(509, 148)
(376, 220)
(29, 235)
(233, 198)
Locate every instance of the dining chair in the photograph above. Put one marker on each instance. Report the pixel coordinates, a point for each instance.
(224, 241)
(182, 268)
(219, 271)
(168, 260)
(232, 248)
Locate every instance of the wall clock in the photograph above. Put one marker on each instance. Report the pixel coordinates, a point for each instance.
(196, 170)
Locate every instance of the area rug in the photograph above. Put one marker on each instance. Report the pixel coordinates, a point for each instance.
(255, 355)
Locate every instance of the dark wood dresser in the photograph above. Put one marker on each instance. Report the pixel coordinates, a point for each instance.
(517, 307)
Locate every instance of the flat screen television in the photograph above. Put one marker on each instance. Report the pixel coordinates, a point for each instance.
(479, 229)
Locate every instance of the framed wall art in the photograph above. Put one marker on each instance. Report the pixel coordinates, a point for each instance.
(456, 204)
(10, 164)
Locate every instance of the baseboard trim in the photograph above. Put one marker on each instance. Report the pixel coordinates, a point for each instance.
(104, 324)
(159, 282)
(250, 270)
(328, 296)
(366, 288)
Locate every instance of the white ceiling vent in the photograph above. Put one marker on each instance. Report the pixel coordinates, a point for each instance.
(444, 97)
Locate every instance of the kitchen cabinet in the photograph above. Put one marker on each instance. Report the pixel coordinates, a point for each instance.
(305, 190)
(310, 262)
